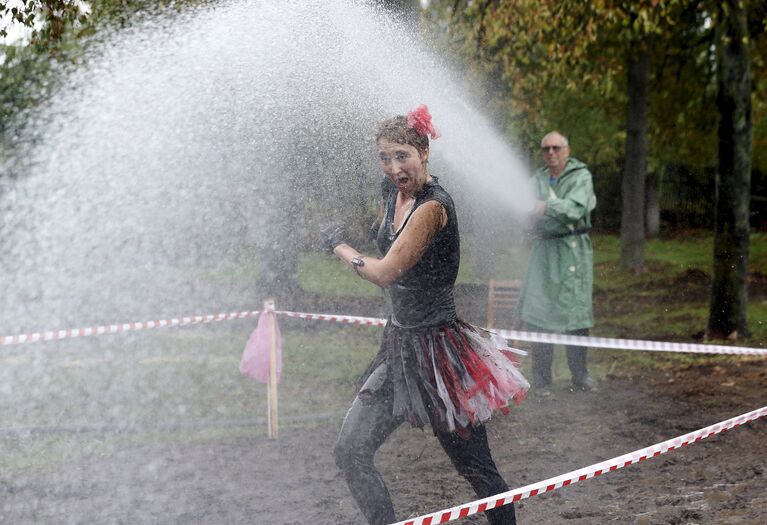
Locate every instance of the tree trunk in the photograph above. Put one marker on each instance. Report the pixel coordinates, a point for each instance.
(652, 206)
(729, 289)
(635, 167)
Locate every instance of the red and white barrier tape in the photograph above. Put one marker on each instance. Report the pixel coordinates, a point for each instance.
(537, 337)
(348, 319)
(627, 344)
(582, 474)
(594, 342)
(55, 335)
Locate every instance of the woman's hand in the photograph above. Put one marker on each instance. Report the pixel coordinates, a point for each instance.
(427, 220)
(333, 235)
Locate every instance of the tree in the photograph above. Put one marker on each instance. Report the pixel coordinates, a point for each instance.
(729, 290)
(50, 20)
(642, 24)
(24, 67)
(635, 164)
(55, 16)
(58, 32)
(545, 45)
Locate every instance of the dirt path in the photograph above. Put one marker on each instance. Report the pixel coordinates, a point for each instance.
(294, 481)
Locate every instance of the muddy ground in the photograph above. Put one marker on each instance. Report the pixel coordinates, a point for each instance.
(293, 480)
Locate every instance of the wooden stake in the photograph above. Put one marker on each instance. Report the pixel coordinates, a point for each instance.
(271, 392)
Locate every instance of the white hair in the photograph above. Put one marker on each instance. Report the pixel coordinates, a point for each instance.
(553, 133)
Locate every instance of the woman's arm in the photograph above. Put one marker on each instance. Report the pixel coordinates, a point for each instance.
(427, 220)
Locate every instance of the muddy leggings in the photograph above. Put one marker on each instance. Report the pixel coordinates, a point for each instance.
(367, 425)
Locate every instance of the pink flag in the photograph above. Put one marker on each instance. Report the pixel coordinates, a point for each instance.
(257, 354)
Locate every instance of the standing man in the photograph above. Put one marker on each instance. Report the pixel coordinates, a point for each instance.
(556, 292)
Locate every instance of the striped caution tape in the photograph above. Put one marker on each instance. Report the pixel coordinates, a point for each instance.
(56, 335)
(627, 344)
(347, 319)
(582, 474)
(538, 337)
(593, 342)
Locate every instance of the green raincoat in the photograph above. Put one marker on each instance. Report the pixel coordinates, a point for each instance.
(556, 292)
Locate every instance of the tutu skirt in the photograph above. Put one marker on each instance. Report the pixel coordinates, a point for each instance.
(449, 376)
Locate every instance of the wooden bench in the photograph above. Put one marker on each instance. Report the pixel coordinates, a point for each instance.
(501, 295)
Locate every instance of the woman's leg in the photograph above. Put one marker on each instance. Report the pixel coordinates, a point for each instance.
(366, 426)
(471, 458)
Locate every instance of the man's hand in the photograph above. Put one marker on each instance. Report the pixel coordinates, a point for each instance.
(539, 209)
(535, 214)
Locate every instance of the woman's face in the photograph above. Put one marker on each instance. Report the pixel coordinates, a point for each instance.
(404, 165)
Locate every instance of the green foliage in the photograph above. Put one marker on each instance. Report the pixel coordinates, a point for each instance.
(758, 30)
(534, 47)
(597, 135)
(21, 83)
(25, 72)
(561, 65)
(55, 17)
(60, 31)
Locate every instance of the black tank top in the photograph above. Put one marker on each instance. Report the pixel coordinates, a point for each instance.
(423, 296)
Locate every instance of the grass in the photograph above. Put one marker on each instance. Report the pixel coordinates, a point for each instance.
(323, 274)
(657, 311)
(180, 385)
(680, 253)
(69, 399)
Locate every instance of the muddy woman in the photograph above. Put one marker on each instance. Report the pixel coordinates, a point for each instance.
(432, 368)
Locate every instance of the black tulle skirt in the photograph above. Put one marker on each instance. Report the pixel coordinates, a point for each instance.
(449, 376)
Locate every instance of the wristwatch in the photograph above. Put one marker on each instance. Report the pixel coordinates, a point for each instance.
(358, 261)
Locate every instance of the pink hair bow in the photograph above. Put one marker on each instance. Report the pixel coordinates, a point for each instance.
(420, 120)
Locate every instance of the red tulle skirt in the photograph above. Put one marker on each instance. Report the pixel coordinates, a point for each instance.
(450, 376)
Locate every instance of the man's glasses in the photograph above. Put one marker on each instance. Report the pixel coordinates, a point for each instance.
(555, 149)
